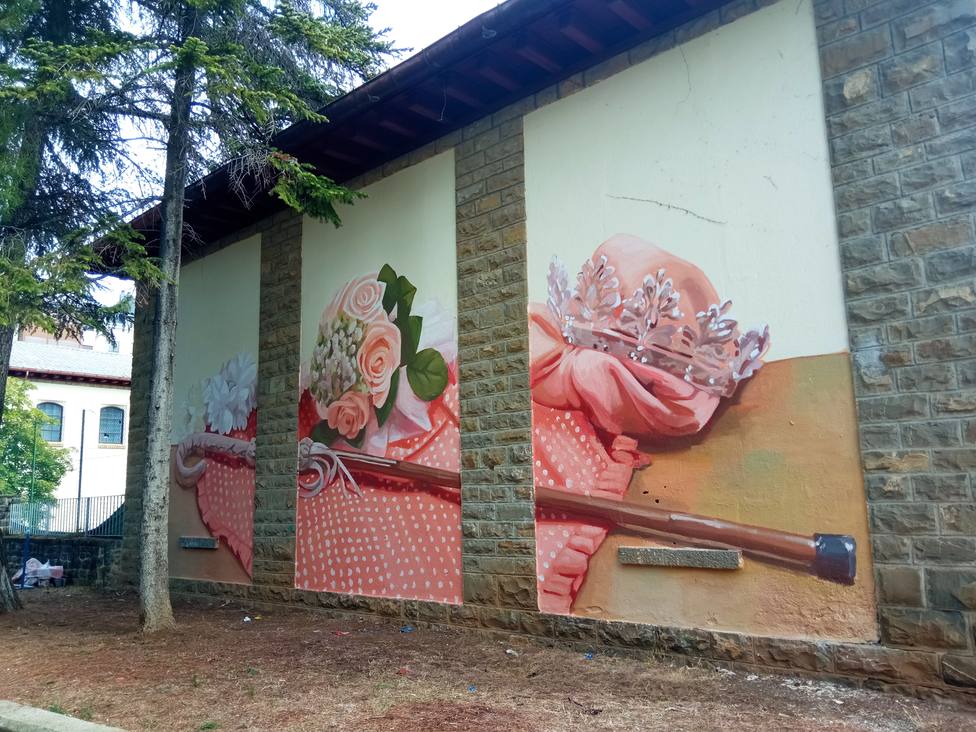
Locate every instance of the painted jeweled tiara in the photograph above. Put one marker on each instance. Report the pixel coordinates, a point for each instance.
(715, 356)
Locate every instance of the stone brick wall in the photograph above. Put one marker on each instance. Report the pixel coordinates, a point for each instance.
(87, 560)
(900, 97)
(899, 85)
(497, 507)
(277, 428)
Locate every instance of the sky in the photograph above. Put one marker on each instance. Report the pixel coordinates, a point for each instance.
(413, 24)
(418, 23)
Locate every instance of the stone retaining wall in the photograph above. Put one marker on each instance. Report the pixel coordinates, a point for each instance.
(87, 560)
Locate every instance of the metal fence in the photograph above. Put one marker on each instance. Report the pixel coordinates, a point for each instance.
(92, 516)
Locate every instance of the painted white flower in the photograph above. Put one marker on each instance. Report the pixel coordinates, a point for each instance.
(192, 415)
(220, 400)
(241, 375)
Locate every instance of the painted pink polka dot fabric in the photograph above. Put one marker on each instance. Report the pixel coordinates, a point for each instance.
(400, 539)
(225, 498)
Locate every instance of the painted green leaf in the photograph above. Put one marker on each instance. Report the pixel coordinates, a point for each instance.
(383, 412)
(405, 294)
(324, 434)
(410, 328)
(327, 435)
(357, 441)
(391, 294)
(427, 374)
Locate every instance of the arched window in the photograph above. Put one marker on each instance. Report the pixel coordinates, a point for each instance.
(51, 431)
(111, 422)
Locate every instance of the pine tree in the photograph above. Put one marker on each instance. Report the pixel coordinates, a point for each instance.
(214, 80)
(59, 212)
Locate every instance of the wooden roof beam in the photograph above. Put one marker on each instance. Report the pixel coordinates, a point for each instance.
(625, 10)
(535, 55)
(497, 77)
(340, 156)
(396, 128)
(361, 138)
(574, 28)
(423, 110)
(454, 88)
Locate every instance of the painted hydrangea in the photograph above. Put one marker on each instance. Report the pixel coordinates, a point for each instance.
(333, 369)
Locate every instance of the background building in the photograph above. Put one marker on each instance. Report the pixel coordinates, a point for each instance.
(75, 381)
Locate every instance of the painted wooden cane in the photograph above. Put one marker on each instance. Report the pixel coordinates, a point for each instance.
(830, 557)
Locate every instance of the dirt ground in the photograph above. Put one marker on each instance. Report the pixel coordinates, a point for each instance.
(80, 653)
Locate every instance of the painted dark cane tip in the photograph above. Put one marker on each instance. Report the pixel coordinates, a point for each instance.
(836, 558)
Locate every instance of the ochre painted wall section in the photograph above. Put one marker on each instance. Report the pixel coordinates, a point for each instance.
(663, 414)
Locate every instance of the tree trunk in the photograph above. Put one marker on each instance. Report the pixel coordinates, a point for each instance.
(13, 246)
(156, 610)
(6, 346)
(8, 598)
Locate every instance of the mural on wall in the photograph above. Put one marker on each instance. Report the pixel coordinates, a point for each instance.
(215, 458)
(639, 350)
(215, 376)
(696, 460)
(379, 498)
(378, 505)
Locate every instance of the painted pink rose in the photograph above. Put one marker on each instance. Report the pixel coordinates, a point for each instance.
(379, 358)
(348, 414)
(362, 298)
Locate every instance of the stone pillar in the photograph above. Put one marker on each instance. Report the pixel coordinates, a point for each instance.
(277, 428)
(497, 507)
(900, 97)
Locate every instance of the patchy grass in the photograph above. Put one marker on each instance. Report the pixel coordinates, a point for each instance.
(80, 653)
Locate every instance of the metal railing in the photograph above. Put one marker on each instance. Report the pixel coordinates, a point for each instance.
(92, 516)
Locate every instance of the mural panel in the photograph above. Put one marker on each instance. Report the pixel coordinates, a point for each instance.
(378, 508)
(215, 416)
(694, 439)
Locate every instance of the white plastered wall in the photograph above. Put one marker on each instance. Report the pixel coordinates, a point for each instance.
(716, 151)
